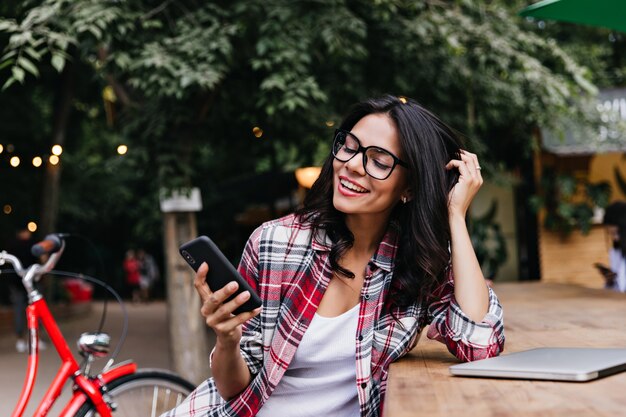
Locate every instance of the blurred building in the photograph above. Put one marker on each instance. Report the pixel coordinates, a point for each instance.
(591, 155)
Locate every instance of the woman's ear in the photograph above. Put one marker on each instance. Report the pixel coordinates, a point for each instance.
(406, 196)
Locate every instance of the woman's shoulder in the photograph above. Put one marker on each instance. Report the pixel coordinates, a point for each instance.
(289, 222)
(290, 228)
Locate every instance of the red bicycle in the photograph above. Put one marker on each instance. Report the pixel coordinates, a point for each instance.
(120, 390)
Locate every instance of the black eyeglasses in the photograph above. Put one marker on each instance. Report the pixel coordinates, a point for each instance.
(377, 162)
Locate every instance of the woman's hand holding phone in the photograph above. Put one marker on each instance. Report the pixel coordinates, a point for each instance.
(218, 314)
(230, 371)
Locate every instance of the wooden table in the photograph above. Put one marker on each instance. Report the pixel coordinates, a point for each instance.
(535, 315)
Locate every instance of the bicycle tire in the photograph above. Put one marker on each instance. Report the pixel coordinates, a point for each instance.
(145, 393)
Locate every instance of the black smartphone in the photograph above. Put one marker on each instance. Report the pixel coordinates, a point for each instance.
(603, 268)
(221, 271)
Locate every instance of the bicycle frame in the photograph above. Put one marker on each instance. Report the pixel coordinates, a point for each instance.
(85, 388)
(113, 388)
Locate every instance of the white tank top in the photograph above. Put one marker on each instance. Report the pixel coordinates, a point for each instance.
(321, 379)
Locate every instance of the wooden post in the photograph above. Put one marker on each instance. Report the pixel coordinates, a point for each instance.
(187, 330)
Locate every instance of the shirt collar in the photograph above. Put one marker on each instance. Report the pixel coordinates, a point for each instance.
(321, 241)
(386, 253)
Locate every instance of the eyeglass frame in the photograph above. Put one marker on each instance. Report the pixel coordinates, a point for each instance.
(363, 149)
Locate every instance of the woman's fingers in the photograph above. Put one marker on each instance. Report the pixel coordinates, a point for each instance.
(215, 300)
(223, 322)
(468, 166)
(200, 283)
(470, 180)
(461, 166)
(217, 312)
(471, 161)
(225, 309)
(234, 321)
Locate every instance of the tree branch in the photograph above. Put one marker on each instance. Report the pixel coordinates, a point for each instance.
(120, 91)
(156, 10)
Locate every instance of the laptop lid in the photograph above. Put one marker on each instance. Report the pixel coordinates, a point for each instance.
(558, 364)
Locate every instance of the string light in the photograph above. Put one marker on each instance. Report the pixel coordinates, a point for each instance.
(15, 161)
(257, 131)
(57, 150)
(7, 209)
(53, 159)
(32, 227)
(37, 161)
(330, 123)
(122, 149)
(1, 148)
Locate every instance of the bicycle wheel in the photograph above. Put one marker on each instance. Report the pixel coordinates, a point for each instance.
(145, 393)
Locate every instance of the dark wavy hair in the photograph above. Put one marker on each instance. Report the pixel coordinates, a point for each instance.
(424, 232)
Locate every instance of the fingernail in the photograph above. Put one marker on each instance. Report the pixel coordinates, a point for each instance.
(244, 295)
(232, 285)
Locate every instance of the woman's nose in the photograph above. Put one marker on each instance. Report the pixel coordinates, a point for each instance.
(356, 164)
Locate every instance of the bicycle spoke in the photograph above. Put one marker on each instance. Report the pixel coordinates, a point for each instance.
(155, 395)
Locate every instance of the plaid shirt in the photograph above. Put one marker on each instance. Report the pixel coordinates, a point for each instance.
(290, 270)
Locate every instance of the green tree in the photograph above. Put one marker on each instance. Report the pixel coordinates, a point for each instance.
(192, 79)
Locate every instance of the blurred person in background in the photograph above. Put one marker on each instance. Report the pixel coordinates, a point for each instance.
(19, 299)
(615, 225)
(131, 267)
(148, 274)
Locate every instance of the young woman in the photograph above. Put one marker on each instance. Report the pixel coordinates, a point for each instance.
(379, 250)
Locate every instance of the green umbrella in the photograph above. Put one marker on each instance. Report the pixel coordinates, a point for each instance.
(605, 13)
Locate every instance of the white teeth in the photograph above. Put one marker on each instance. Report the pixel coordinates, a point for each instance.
(352, 186)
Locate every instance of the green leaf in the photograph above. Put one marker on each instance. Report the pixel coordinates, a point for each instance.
(9, 54)
(33, 53)
(58, 62)
(28, 66)
(6, 63)
(18, 74)
(95, 31)
(7, 25)
(8, 84)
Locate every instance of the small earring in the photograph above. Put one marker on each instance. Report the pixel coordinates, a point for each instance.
(404, 199)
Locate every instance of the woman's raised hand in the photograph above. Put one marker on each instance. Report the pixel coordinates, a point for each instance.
(468, 185)
(217, 313)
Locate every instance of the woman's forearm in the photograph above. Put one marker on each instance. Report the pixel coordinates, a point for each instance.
(470, 289)
(230, 371)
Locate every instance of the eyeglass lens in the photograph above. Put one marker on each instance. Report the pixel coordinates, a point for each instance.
(378, 162)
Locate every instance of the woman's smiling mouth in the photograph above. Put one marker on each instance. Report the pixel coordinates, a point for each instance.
(351, 186)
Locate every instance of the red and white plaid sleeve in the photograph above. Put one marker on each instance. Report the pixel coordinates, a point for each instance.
(466, 339)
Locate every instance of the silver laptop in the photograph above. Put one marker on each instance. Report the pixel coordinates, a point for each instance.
(557, 364)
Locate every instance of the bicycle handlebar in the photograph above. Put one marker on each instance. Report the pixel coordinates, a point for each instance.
(51, 243)
(7, 257)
